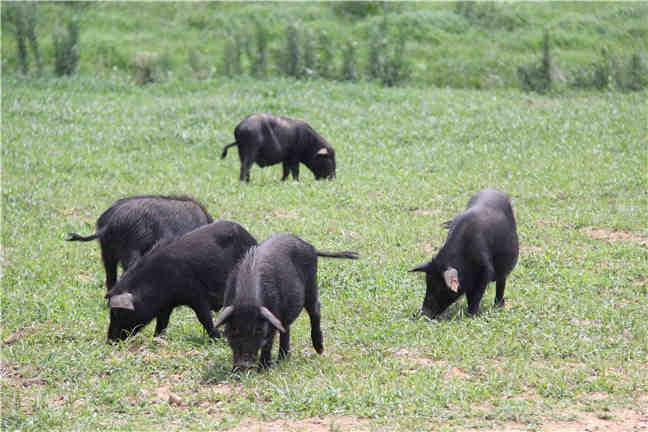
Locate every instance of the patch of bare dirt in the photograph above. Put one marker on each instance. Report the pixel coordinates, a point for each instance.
(539, 103)
(13, 376)
(585, 323)
(620, 420)
(16, 336)
(415, 359)
(426, 212)
(530, 250)
(640, 282)
(83, 277)
(542, 222)
(282, 214)
(615, 236)
(429, 248)
(73, 212)
(316, 424)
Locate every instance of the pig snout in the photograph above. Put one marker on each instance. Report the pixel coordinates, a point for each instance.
(244, 361)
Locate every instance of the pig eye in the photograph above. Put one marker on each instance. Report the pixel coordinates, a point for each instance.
(234, 331)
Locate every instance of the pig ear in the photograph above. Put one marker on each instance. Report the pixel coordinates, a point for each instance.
(223, 316)
(273, 319)
(122, 301)
(451, 278)
(322, 152)
(422, 268)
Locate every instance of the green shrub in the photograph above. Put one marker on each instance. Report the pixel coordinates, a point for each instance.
(21, 20)
(325, 56)
(290, 62)
(538, 78)
(308, 50)
(349, 62)
(66, 49)
(637, 73)
(396, 69)
(233, 53)
(259, 64)
(151, 67)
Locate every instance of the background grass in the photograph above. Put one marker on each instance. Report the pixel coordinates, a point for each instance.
(572, 336)
(449, 44)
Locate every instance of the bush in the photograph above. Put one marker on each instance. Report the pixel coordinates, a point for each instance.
(290, 63)
(325, 56)
(233, 53)
(349, 63)
(638, 73)
(21, 20)
(396, 70)
(66, 50)
(535, 77)
(259, 67)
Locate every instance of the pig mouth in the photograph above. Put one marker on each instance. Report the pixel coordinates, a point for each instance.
(244, 366)
(428, 312)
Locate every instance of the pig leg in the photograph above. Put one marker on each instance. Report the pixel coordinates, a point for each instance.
(313, 310)
(162, 321)
(474, 297)
(246, 164)
(266, 350)
(500, 284)
(294, 169)
(110, 264)
(286, 171)
(204, 316)
(284, 344)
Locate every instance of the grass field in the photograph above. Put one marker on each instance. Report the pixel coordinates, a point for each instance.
(571, 342)
(449, 44)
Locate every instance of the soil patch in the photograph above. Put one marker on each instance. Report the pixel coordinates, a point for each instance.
(317, 424)
(615, 236)
(530, 250)
(282, 214)
(426, 212)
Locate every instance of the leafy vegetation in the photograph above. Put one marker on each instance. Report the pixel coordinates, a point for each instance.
(455, 44)
(573, 336)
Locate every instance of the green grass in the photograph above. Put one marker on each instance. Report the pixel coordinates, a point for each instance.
(574, 325)
(445, 48)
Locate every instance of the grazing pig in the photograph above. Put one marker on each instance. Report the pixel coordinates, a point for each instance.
(191, 271)
(268, 140)
(266, 292)
(131, 226)
(482, 246)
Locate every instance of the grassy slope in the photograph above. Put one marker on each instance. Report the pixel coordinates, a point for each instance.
(574, 325)
(445, 48)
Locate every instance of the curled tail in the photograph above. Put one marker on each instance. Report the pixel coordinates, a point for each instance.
(224, 154)
(77, 237)
(345, 254)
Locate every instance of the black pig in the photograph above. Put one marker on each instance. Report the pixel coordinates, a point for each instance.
(482, 246)
(266, 292)
(191, 271)
(131, 226)
(268, 140)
